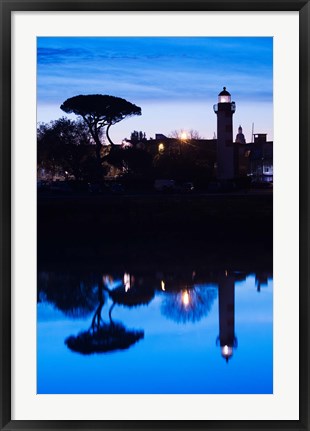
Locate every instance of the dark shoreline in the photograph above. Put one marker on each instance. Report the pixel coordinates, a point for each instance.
(156, 230)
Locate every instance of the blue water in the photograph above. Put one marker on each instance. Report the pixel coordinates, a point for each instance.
(191, 333)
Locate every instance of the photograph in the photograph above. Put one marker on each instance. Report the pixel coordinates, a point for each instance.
(154, 215)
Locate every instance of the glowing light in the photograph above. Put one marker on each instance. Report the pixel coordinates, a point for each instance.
(107, 280)
(185, 298)
(162, 285)
(226, 272)
(183, 136)
(224, 99)
(127, 281)
(227, 351)
(161, 147)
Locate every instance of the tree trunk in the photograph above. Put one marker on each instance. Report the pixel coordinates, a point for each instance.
(107, 135)
(98, 153)
(94, 133)
(110, 313)
(98, 146)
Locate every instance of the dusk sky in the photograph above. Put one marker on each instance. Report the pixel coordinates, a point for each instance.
(175, 80)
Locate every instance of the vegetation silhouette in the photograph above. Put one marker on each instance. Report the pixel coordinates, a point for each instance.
(64, 145)
(98, 112)
(180, 134)
(130, 160)
(132, 296)
(103, 337)
(189, 304)
(73, 293)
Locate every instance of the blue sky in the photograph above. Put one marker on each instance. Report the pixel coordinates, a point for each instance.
(175, 80)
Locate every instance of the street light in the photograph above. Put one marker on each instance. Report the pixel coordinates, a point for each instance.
(183, 138)
(161, 148)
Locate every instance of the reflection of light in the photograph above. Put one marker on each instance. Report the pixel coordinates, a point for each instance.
(227, 351)
(107, 280)
(226, 272)
(185, 298)
(127, 281)
(162, 285)
(183, 136)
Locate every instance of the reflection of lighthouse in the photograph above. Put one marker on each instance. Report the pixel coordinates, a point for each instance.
(226, 150)
(227, 339)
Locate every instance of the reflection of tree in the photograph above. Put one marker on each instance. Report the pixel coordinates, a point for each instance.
(133, 292)
(72, 293)
(189, 305)
(103, 337)
(261, 280)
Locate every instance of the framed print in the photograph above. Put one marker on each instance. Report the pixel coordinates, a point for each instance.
(154, 214)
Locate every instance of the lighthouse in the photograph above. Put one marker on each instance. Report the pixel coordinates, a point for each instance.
(227, 165)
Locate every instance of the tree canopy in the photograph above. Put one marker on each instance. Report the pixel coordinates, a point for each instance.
(65, 145)
(99, 111)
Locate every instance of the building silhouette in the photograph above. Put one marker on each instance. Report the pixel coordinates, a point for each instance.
(224, 158)
(261, 159)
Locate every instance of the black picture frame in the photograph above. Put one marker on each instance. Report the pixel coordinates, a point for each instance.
(7, 7)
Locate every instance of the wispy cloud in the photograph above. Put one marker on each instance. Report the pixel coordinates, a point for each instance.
(157, 70)
(155, 67)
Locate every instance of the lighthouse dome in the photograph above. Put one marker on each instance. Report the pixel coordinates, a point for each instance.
(224, 96)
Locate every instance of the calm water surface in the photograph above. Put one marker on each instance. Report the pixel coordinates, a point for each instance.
(184, 331)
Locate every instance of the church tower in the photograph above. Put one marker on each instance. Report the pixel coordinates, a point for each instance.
(240, 139)
(226, 151)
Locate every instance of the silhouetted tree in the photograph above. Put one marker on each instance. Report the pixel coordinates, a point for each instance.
(65, 145)
(131, 160)
(100, 111)
(194, 134)
(191, 134)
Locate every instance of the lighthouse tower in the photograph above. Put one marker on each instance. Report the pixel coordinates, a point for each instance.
(226, 151)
